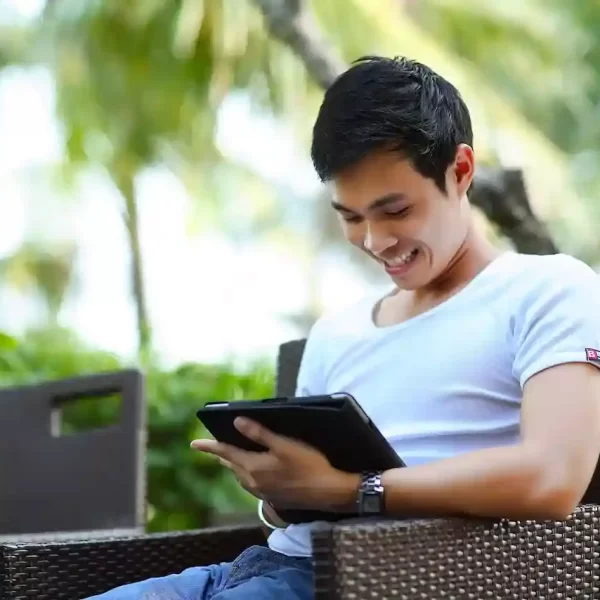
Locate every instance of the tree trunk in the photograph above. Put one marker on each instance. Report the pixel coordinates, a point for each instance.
(500, 194)
(130, 217)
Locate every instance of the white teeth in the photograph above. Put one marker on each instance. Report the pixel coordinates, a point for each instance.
(402, 259)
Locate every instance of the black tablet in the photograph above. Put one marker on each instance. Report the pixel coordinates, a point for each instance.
(334, 424)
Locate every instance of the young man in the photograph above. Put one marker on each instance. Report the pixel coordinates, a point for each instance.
(479, 367)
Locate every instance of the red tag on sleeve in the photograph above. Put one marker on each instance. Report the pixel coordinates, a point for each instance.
(592, 355)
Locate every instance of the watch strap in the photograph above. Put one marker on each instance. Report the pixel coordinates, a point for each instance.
(371, 494)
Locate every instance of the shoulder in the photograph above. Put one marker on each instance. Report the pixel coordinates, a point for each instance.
(554, 315)
(549, 264)
(534, 275)
(551, 291)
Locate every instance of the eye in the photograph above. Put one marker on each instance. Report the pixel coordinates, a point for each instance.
(401, 212)
(352, 218)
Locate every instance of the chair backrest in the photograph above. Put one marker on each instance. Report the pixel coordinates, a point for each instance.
(89, 480)
(288, 364)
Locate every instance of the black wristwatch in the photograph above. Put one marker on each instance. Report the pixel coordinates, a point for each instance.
(371, 494)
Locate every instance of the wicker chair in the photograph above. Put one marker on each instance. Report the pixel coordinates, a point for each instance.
(399, 559)
(56, 474)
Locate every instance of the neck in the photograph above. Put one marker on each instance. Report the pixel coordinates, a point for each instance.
(473, 256)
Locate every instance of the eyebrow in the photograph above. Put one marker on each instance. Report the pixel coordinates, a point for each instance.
(378, 203)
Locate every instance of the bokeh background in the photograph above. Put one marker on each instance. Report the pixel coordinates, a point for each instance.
(158, 206)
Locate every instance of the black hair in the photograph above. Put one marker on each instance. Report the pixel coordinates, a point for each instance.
(390, 103)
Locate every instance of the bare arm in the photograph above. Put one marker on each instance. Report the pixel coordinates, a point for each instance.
(543, 477)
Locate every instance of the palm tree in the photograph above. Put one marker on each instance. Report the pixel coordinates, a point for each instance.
(141, 83)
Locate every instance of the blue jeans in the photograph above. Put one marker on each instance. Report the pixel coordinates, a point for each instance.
(258, 574)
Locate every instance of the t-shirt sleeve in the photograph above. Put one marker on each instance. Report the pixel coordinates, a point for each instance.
(559, 320)
(311, 377)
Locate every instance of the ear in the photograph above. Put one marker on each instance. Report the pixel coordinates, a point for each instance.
(463, 168)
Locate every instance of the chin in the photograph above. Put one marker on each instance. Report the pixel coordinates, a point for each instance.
(402, 285)
(408, 284)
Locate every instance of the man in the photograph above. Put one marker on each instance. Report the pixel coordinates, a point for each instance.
(479, 366)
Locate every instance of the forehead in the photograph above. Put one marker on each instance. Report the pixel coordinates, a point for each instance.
(380, 174)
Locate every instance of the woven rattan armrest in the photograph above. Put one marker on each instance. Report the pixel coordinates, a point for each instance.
(459, 558)
(62, 569)
(433, 558)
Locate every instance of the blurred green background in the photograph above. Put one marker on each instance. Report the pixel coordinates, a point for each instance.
(158, 206)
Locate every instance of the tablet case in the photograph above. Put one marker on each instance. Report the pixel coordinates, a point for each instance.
(334, 424)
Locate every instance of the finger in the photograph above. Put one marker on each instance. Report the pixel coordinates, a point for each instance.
(237, 472)
(278, 444)
(260, 434)
(221, 450)
(227, 464)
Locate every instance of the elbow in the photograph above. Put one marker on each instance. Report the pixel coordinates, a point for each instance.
(557, 506)
(553, 485)
(553, 498)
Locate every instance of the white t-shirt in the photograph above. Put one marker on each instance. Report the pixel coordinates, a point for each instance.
(450, 380)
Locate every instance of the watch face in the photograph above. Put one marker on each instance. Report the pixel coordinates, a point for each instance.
(371, 503)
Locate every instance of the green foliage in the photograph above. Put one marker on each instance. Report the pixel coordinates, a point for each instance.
(43, 271)
(185, 489)
(140, 81)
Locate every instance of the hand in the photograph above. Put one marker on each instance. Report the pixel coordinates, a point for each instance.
(290, 474)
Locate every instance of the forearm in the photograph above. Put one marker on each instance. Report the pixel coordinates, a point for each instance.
(509, 482)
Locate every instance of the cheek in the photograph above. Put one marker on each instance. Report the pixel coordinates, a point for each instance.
(441, 231)
(354, 234)
(351, 231)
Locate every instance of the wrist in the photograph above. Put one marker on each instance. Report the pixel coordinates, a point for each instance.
(342, 491)
(269, 516)
(371, 496)
(263, 517)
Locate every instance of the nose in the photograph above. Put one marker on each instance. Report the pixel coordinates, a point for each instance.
(378, 240)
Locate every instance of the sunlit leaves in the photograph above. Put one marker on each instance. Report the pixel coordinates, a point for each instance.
(42, 272)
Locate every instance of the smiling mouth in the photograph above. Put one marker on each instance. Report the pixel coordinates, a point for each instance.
(400, 262)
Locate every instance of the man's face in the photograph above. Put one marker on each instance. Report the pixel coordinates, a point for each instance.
(402, 219)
